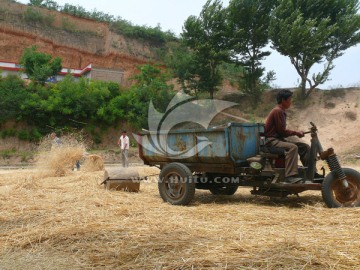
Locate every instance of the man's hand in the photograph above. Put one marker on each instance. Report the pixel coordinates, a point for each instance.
(300, 134)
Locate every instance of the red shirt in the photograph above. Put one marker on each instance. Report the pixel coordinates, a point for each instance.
(275, 125)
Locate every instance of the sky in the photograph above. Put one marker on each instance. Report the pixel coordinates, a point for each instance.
(171, 15)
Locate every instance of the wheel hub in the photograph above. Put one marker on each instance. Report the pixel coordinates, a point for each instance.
(174, 186)
(347, 196)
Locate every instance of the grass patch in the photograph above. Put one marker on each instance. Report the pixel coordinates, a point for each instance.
(335, 93)
(7, 153)
(35, 16)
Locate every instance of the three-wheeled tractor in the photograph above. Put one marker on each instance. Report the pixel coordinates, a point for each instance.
(223, 158)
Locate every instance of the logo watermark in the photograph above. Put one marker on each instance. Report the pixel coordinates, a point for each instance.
(221, 180)
(181, 109)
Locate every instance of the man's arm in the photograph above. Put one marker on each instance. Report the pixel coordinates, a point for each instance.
(280, 126)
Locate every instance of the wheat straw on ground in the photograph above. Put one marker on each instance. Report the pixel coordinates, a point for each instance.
(71, 222)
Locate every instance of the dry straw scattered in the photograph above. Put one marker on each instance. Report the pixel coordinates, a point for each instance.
(71, 222)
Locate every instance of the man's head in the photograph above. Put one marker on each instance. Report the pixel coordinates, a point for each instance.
(284, 98)
(124, 132)
(53, 135)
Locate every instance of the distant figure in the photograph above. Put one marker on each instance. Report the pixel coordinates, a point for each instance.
(56, 141)
(123, 142)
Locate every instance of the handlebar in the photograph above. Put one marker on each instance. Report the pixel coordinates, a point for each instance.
(313, 125)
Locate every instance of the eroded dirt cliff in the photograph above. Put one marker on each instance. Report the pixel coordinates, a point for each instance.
(77, 41)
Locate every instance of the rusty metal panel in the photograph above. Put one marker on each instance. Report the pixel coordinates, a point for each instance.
(181, 144)
(244, 141)
(217, 149)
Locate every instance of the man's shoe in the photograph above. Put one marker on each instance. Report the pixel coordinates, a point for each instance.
(316, 175)
(307, 182)
(292, 179)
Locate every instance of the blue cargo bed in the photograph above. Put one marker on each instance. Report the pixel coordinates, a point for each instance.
(217, 150)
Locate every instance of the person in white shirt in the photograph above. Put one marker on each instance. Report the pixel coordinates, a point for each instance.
(123, 142)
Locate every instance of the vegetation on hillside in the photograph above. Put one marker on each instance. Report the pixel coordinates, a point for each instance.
(90, 105)
(308, 32)
(117, 24)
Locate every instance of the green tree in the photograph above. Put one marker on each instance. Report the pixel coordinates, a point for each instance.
(39, 66)
(150, 84)
(206, 37)
(12, 95)
(248, 22)
(314, 31)
(180, 59)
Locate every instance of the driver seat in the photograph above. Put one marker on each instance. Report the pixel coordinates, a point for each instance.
(272, 153)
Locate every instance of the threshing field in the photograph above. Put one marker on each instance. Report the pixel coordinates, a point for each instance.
(72, 222)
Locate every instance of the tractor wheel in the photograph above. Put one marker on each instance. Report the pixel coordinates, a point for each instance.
(336, 195)
(223, 190)
(176, 185)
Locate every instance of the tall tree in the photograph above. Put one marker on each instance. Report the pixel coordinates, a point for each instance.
(39, 66)
(248, 22)
(205, 35)
(183, 65)
(312, 32)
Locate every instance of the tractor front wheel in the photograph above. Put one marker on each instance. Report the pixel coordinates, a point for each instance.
(335, 194)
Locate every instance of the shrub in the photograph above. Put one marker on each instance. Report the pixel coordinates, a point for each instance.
(7, 133)
(34, 16)
(351, 116)
(67, 25)
(330, 105)
(32, 135)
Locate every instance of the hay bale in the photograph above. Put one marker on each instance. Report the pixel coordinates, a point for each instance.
(126, 179)
(93, 163)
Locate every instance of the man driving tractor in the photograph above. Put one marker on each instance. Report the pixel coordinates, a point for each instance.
(278, 136)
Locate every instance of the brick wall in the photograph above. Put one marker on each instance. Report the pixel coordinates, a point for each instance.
(103, 74)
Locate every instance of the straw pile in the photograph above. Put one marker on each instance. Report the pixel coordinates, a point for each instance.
(72, 222)
(93, 163)
(59, 160)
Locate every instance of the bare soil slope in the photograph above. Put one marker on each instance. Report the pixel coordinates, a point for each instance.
(337, 115)
(77, 41)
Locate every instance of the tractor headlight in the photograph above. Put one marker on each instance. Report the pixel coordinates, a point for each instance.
(256, 165)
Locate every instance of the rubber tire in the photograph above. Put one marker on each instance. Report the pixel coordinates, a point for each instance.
(223, 190)
(188, 185)
(327, 188)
